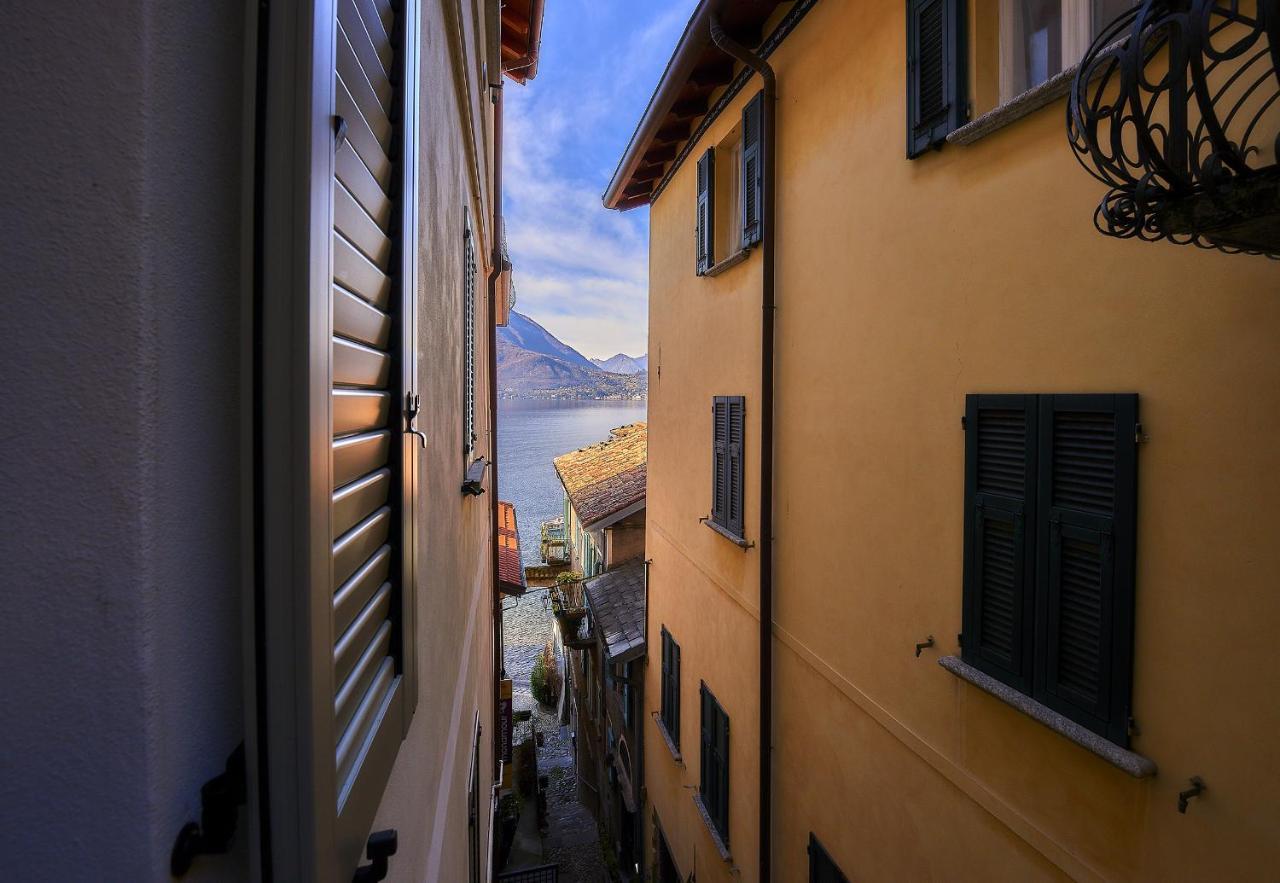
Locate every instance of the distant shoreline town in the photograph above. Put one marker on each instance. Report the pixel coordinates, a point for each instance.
(534, 364)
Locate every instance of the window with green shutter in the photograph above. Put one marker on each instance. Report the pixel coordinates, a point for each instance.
(714, 766)
(728, 429)
(1050, 531)
(937, 101)
(752, 177)
(705, 221)
(670, 713)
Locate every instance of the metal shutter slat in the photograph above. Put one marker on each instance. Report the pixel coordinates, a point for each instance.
(361, 729)
(354, 223)
(357, 178)
(359, 455)
(351, 75)
(353, 503)
(356, 319)
(358, 365)
(379, 33)
(360, 634)
(356, 591)
(353, 26)
(356, 686)
(354, 272)
(358, 545)
(359, 410)
(361, 136)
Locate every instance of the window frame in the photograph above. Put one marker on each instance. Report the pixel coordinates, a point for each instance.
(1079, 23)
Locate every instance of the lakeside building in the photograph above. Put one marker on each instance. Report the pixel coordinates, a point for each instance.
(962, 495)
(604, 499)
(250, 558)
(602, 617)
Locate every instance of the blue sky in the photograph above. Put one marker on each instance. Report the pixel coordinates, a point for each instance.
(581, 270)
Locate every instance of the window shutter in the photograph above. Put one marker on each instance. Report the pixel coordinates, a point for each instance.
(371, 508)
(722, 770)
(720, 460)
(736, 406)
(937, 91)
(666, 679)
(468, 338)
(706, 777)
(1000, 507)
(705, 232)
(1088, 490)
(335, 607)
(822, 868)
(675, 693)
(752, 177)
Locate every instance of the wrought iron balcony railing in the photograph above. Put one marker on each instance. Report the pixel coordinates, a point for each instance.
(1176, 108)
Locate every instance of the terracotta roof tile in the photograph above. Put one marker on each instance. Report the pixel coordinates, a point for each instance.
(606, 478)
(510, 570)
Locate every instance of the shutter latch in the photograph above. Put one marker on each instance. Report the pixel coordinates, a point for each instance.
(379, 849)
(411, 407)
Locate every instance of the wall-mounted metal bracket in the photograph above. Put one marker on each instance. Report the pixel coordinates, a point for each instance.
(379, 849)
(220, 800)
(472, 485)
(1197, 788)
(928, 642)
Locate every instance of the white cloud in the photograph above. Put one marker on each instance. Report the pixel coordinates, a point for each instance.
(580, 269)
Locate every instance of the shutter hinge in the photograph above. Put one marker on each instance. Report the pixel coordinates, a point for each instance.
(964, 423)
(379, 848)
(1139, 437)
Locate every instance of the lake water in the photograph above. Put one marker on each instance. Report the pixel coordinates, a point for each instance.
(533, 432)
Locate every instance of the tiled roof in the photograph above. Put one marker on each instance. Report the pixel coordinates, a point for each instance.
(616, 599)
(510, 571)
(606, 478)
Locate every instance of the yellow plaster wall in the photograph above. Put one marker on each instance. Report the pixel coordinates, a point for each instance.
(902, 286)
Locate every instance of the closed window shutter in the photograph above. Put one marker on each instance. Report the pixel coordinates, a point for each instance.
(1000, 507)
(666, 679)
(822, 868)
(468, 339)
(1088, 488)
(736, 406)
(720, 460)
(722, 769)
(675, 694)
(752, 177)
(706, 771)
(370, 512)
(936, 79)
(705, 223)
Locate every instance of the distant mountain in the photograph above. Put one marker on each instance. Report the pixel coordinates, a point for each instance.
(623, 364)
(532, 363)
(528, 335)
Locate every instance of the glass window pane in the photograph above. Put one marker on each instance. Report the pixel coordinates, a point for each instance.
(1107, 11)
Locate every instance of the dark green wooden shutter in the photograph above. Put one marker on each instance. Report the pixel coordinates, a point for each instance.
(752, 177)
(675, 693)
(937, 90)
(1000, 507)
(736, 406)
(720, 460)
(721, 812)
(705, 224)
(706, 775)
(1084, 622)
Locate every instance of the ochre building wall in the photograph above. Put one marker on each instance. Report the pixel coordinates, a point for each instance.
(902, 286)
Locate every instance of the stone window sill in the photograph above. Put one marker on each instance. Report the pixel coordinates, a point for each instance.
(1134, 764)
(731, 261)
(1021, 105)
(726, 533)
(666, 737)
(721, 846)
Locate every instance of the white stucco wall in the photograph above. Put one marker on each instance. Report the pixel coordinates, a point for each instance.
(119, 347)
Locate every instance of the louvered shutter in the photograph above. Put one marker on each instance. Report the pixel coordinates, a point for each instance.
(706, 770)
(675, 693)
(937, 91)
(736, 406)
(666, 679)
(1000, 517)
(371, 510)
(752, 171)
(720, 460)
(468, 339)
(1088, 487)
(705, 223)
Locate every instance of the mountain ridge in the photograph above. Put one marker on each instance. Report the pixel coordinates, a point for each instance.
(623, 364)
(534, 363)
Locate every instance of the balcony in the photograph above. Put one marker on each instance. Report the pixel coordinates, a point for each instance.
(1176, 108)
(554, 547)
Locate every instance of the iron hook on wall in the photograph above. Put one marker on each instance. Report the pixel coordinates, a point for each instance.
(928, 642)
(1196, 789)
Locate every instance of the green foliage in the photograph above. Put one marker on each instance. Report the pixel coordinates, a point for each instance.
(569, 576)
(545, 679)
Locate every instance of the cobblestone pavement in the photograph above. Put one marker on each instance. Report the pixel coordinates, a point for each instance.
(572, 838)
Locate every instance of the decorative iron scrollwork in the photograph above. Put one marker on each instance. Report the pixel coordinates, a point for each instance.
(1176, 108)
